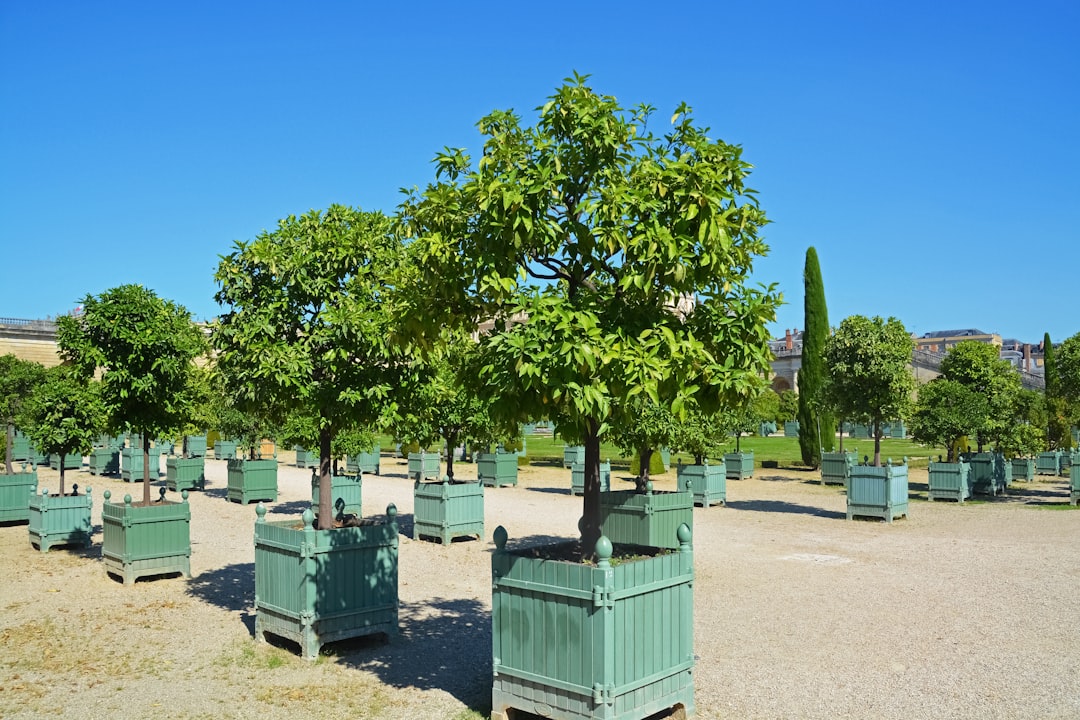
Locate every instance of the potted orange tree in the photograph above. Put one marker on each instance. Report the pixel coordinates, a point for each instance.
(18, 378)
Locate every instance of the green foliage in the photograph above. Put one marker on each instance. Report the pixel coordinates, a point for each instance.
(945, 411)
(767, 406)
(18, 378)
(867, 378)
(1058, 434)
(309, 324)
(816, 422)
(145, 348)
(591, 227)
(788, 407)
(648, 428)
(64, 415)
(656, 465)
(701, 435)
(1066, 392)
(979, 367)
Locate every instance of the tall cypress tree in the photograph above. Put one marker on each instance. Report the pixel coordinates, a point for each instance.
(816, 424)
(1057, 433)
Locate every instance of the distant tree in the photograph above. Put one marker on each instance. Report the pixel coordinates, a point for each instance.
(64, 414)
(1024, 433)
(309, 324)
(647, 428)
(18, 378)
(946, 410)
(789, 406)
(767, 405)
(701, 435)
(1067, 365)
(597, 231)
(979, 367)
(867, 375)
(145, 348)
(817, 426)
(1057, 429)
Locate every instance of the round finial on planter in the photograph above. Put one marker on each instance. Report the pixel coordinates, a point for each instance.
(75, 489)
(603, 551)
(45, 492)
(500, 536)
(648, 488)
(127, 499)
(445, 478)
(391, 512)
(684, 535)
(309, 519)
(183, 495)
(260, 511)
(107, 495)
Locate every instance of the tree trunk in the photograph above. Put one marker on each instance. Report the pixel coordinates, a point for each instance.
(841, 435)
(699, 459)
(326, 501)
(184, 448)
(590, 518)
(145, 467)
(877, 443)
(644, 460)
(738, 436)
(451, 443)
(10, 448)
(62, 463)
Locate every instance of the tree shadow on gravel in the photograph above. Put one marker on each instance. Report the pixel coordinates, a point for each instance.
(782, 506)
(230, 588)
(550, 490)
(444, 644)
(293, 507)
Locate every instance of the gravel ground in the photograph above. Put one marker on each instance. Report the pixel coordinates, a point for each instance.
(956, 612)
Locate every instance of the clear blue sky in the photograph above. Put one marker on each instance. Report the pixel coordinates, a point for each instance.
(928, 150)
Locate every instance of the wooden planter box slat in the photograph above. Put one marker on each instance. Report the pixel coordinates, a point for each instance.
(131, 464)
(60, 520)
(949, 481)
(319, 586)
(15, 493)
(305, 459)
(185, 473)
(573, 455)
(345, 491)
(577, 477)
(423, 466)
(252, 480)
(1048, 463)
(196, 446)
(836, 467)
(71, 461)
(708, 483)
(497, 469)
(446, 510)
(367, 462)
(1023, 468)
(878, 492)
(20, 447)
(1074, 479)
(143, 541)
(104, 461)
(591, 642)
(648, 518)
(739, 465)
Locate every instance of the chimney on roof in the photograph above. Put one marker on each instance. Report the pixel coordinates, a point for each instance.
(1027, 357)
(787, 339)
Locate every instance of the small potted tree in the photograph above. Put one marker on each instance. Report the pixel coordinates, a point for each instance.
(145, 348)
(188, 470)
(739, 465)
(698, 435)
(867, 380)
(64, 415)
(945, 412)
(250, 476)
(18, 378)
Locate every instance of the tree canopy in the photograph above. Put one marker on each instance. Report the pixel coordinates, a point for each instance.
(816, 424)
(145, 348)
(946, 410)
(867, 375)
(979, 367)
(612, 262)
(308, 325)
(18, 378)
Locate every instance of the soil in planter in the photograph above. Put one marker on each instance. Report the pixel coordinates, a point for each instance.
(340, 522)
(572, 552)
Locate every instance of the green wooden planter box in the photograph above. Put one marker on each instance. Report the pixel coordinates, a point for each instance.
(878, 491)
(1074, 480)
(791, 428)
(592, 642)
(252, 480)
(165, 447)
(990, 474)
(577, 477)
(766, 429)
(645, 518)
(225, 450)
(131, 464)
(1048, 463)
(71, 461)
(104, 461)
(1066, 462)
(860, 432)
(185, 473)
(110, 441)
(446, 510)
(367, 462)
(345, 491)
(15, 493)
(497, 469)
(707, 483)
(423, 466)
(305, 459)
(196, 446)
(836, 467)
(20, 447)
(949, 481)
(143, 541)
(665, 457)
(319, 586)
(1023, 468)
(60, 520)
(739, 465)
(573, 455)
